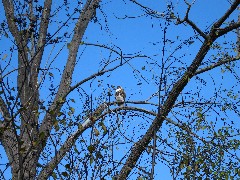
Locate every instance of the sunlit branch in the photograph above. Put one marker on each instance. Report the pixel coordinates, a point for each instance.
(91, 77)
(5, 114)
(142, 102)
(9, 9)
(42, 35)
(194, 103)
(149, 11)
(219, 63)
(222, 31)
(104, 46)
(86, 124)
(79, 30)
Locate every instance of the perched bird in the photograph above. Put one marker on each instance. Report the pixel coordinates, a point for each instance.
(120, 96)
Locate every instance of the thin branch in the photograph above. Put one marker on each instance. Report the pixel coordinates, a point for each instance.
(153, 154)
(149, 11)
(103, 46)
(222, 31)
(219, 63)
(4, 111)
(85, 125)
(192, 24)
(91, 77)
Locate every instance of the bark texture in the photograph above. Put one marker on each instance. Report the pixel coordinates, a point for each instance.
(24, 145)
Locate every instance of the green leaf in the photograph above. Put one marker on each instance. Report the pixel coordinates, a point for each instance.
(68, 45)
(182, 165)
(80, 126)
(67, 166)
(72, 110)
(91, 160)
(91, 148)
(96, 132)
(65, 174)
(54, 175)
(40, 165)
(200, 115)
(51, 112)
(22, 150)
(226, 176)
(104, 128)
(104, 147)
(6, 35)
(42, 135)
(35, 143)
(190, 42)
(63, 122)
(4, 56)
(72, 100)
(61, 100)
(51, 74)
(56, 125)
(76, 150)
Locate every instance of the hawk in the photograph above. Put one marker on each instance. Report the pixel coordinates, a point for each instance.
(120, 96)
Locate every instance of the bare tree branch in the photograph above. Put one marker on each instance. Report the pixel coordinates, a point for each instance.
(91, 77)
(140, 146)
(48, 169)
(148, 10)
(219, 63)
(192, 24)
(81, 25)
(9, 11)
(233, 6)
(97, 115)
(227, 29)
(8, 137)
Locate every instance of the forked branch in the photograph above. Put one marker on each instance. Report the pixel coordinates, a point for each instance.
(141, 145)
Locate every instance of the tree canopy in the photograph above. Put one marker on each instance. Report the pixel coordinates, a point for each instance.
(61, 62)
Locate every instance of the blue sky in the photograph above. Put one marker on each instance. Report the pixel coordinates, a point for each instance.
(134, 36)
